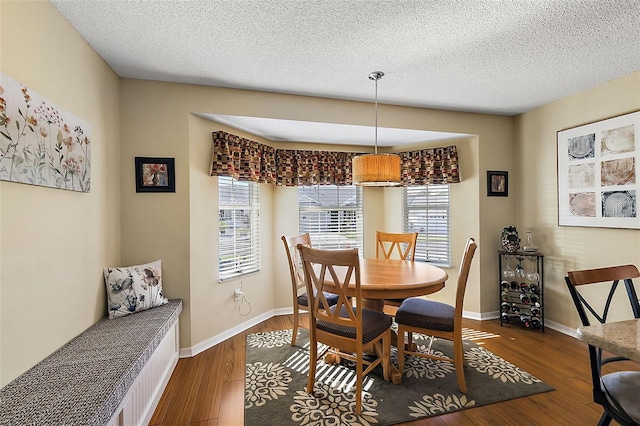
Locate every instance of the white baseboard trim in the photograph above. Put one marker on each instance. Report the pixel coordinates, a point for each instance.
(211, 342)
(282, 311)
(480, 316)
(561, 328)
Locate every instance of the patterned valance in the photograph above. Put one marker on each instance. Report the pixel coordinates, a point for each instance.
(430, 166)
(305, 168)
(244, 159)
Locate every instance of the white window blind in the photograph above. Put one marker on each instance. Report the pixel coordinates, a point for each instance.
(239, 227)
(332, 215)
(426, 211)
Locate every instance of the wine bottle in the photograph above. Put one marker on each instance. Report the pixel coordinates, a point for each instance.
(534, 299)
(535, 323)
(524, 298)
(505, 296)
(506, 307)
(514, 285)
(504, 285)
(524, 287)
(515, 308)
(525, 320)
(505, 317)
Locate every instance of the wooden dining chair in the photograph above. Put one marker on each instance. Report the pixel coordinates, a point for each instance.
(404, 245)
(440, 320)
(298, 287)
(345, 329)
(617, 392)
(398, 246)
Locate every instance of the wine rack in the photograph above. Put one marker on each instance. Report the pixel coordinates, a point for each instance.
(521, 289)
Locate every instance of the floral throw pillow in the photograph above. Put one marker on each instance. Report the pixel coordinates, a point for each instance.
(134, 288)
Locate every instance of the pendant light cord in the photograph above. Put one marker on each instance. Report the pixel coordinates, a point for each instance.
(375, 150)
(375, 76)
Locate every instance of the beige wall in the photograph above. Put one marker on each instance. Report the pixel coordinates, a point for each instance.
(568, 248)
(212, 303)
(54, 243)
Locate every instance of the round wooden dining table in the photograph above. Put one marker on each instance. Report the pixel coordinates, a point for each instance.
(396, 279)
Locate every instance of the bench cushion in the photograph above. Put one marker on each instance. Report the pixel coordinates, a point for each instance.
(84, 382)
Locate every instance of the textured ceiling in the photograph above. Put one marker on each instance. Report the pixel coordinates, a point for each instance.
(490, 56)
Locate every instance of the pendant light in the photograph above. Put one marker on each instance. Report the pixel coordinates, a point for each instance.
(376, 169)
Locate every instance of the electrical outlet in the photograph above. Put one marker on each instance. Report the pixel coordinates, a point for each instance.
(237, 295)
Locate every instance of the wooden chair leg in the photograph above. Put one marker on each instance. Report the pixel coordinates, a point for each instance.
(400, 347)
(386, 350)
(294, 336)
(359, 370)
(458, 360)
(313, 358)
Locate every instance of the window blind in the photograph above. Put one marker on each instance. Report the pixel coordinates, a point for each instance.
(332, 215)
(426, 211)
(239, 227)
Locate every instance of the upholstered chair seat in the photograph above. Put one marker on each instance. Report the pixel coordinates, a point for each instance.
(373, 325)
(426, 314)
(624, 387)
(332, 299)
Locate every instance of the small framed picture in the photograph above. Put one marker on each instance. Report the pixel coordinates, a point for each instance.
(497, 184)
(155, 174)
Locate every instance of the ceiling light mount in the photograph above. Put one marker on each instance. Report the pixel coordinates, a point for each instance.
(376, 169)
(376, 75)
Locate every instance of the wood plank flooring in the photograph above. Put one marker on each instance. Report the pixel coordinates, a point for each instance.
(208, 389)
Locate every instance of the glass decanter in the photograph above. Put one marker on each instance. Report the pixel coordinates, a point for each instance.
(529, 246)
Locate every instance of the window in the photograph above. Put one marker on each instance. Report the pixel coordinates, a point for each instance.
(239, 227)
(332, 215)
(426, 211)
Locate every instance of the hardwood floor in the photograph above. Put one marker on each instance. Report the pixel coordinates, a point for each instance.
(208, 389)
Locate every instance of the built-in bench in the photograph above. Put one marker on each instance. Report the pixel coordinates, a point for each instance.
(111, 374)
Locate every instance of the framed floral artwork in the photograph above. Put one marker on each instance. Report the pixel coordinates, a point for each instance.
(598, 173)
(41, 143)
(497, 184)
(155, 174)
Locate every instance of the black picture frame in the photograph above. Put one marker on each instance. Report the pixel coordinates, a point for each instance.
(497, 183)
(155, 174)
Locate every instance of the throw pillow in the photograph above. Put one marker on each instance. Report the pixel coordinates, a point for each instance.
(134, 288)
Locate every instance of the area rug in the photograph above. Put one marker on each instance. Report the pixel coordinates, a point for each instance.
(276, 376)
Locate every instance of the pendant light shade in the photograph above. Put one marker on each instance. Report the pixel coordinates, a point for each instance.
(376, 169)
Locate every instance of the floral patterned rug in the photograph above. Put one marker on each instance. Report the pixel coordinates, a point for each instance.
(276, 376)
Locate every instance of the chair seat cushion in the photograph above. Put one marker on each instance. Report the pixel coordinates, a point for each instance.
(374, 323)
(427, 314)
(624, 387)
(332, 299)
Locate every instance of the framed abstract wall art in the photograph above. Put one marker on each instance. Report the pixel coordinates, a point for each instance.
(41, 143)
(598, 173)
(497, 184)
(155, 174)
